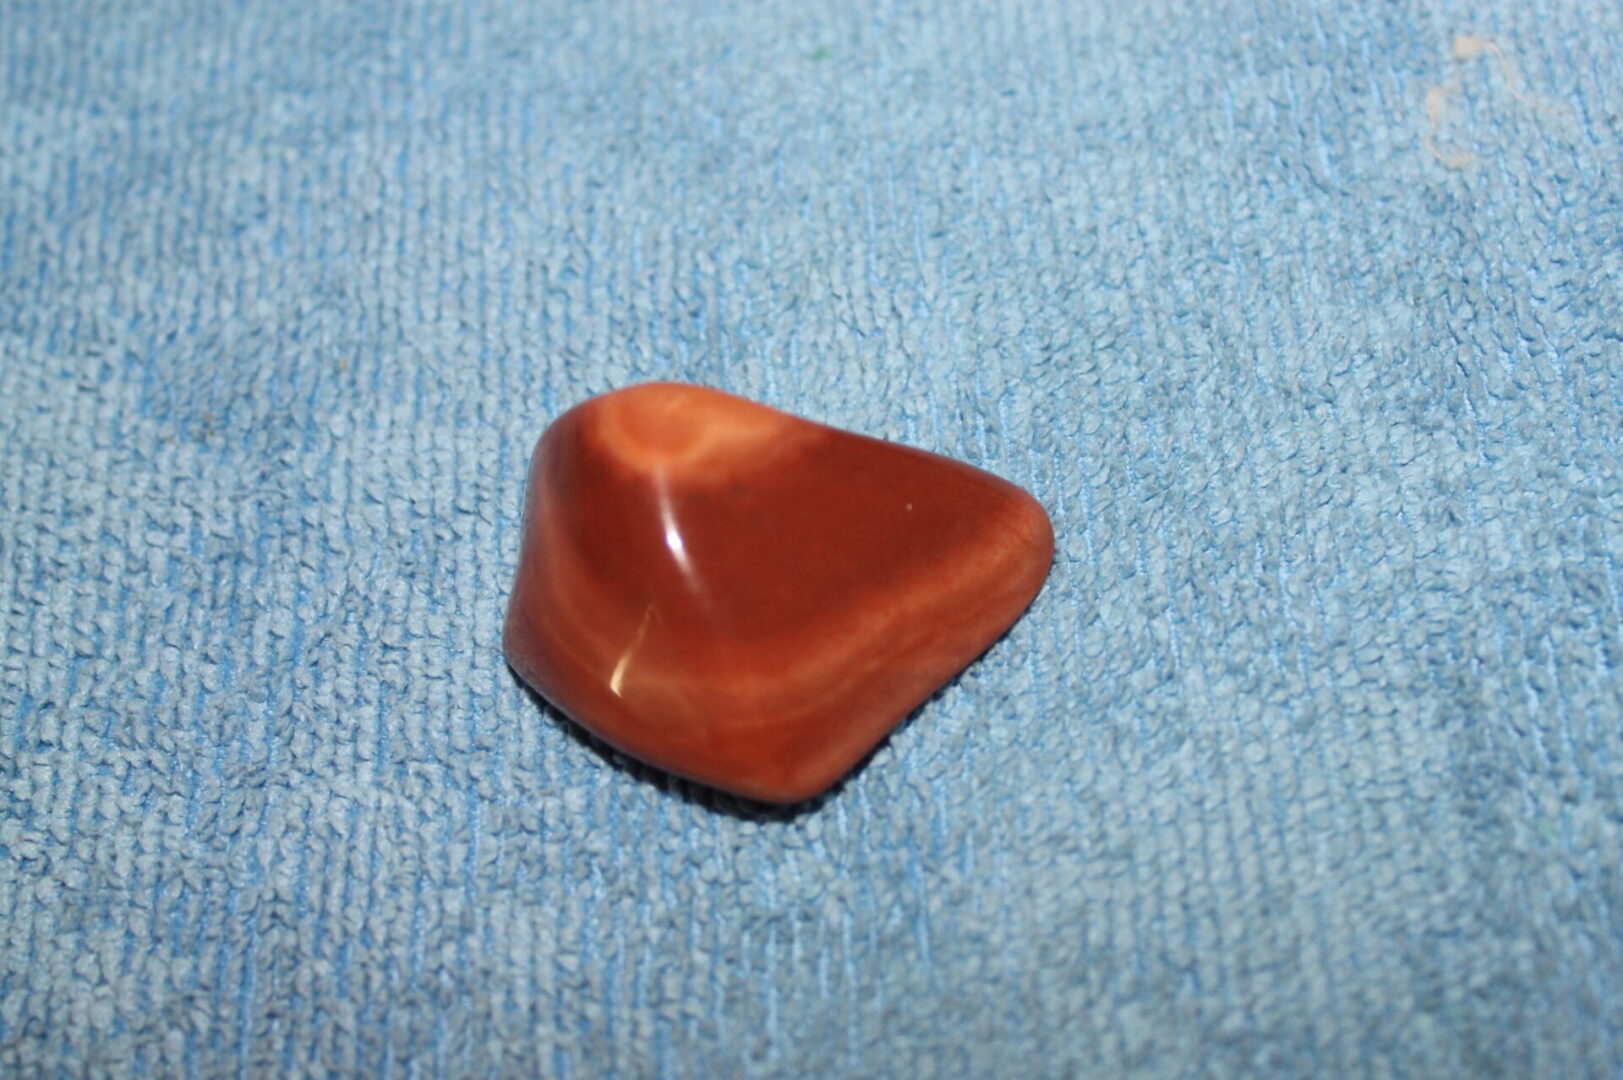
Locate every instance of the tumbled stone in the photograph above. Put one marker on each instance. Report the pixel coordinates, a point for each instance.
(753, 600)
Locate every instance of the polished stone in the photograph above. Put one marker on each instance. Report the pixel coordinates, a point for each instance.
(753, 600)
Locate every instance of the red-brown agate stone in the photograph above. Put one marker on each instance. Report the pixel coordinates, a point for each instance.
(753, 600)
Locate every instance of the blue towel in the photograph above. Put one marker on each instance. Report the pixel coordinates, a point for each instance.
(1303, 320)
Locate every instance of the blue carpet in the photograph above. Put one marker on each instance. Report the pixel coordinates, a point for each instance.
(1304, 321)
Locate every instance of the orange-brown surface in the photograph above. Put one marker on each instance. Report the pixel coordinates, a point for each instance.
(753, 600)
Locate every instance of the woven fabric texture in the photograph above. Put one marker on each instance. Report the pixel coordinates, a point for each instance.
(1305, 321)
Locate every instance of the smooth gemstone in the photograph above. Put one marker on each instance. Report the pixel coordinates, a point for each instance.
(753, 600)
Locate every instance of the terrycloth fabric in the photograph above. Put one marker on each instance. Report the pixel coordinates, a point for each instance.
(1303, 321)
